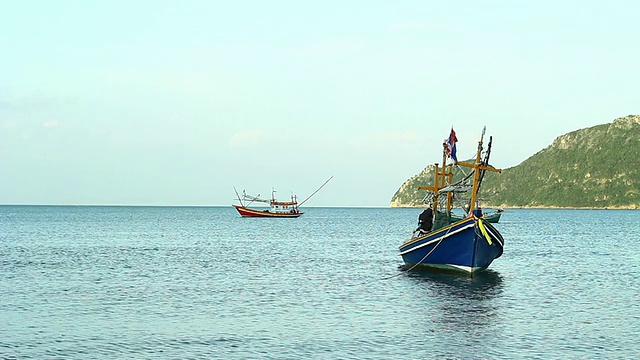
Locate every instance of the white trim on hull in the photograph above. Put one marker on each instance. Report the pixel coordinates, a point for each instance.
(451, 267)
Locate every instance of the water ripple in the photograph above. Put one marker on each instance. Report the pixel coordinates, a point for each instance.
(203, 283)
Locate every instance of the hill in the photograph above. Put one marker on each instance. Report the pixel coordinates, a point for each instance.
(596, 167)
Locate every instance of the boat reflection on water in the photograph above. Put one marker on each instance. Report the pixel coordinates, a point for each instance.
(455, 304)
(483, 285)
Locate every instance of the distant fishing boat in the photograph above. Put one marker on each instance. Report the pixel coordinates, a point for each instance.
(285, 209)
(277, 209)
(468, 245)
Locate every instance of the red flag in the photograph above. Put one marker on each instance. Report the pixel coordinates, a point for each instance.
(451, 145)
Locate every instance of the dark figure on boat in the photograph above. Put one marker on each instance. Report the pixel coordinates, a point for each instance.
(425, 220)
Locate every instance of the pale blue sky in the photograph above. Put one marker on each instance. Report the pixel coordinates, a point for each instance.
(175, 102)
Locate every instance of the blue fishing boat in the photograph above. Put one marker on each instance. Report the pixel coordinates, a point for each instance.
(468, 245)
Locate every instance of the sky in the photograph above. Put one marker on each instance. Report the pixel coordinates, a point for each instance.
(178, 102)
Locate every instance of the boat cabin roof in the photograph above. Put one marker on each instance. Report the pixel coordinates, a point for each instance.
(284, 203)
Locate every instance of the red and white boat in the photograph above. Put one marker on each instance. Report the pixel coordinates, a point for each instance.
(287, 209)
(277, 209)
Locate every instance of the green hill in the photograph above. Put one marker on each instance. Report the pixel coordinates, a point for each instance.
(596, 167)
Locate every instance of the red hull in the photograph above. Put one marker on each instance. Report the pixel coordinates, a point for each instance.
(247, 212)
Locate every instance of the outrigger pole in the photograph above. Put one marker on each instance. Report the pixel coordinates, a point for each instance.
(442, 177)
(479, 168)
(249, 198)
(321, 186)
(238, 195)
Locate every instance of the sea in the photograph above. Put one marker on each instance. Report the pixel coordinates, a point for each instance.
(103, 282)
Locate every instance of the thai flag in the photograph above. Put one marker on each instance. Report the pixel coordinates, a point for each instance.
(451, 145)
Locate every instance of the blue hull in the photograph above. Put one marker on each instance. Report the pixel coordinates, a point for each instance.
(461, 246)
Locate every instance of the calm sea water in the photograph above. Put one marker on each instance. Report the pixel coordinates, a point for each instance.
(204, 283)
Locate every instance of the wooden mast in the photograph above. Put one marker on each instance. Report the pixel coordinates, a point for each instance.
(439, 179)
(477, 166)
(443, 177)
(450, 194)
